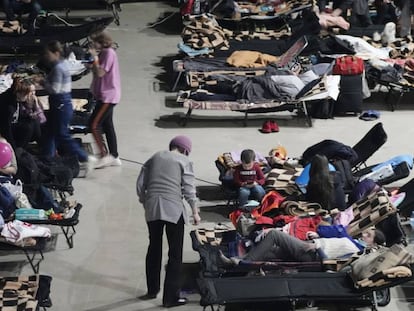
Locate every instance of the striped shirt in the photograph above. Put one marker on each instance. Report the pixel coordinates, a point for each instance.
(59, 81)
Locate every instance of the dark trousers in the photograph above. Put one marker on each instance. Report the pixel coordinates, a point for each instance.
(26, 131)
(385, 12)
(101, 123)
(12, 7)
(404, 21)
(175, 238)
(58, 136)
(280, 245)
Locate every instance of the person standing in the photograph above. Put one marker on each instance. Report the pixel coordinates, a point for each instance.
(404, 21)
(58, 84)
(165, 179)
(106, 89)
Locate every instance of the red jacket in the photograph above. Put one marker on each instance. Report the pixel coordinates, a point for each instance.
(242, 176)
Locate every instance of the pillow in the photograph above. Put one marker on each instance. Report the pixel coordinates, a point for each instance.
(330, 248)
(308, 76)
(289, 84)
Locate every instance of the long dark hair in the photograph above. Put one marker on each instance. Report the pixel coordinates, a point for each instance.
(320, 188)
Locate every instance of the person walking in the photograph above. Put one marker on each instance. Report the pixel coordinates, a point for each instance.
(106, 89)
(58, 84)
(165, 179)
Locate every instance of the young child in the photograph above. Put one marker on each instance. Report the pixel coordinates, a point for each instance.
(249, 177)
(30, 115)
(32, 106)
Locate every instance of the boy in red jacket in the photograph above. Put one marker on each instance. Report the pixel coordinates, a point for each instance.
(249, 177)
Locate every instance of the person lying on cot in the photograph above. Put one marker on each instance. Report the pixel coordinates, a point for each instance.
(332, 17)
(329, 20)
(278, 245)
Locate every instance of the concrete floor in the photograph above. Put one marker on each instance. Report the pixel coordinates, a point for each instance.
(105, 269)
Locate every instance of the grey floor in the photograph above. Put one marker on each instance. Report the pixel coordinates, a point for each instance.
(105, 269)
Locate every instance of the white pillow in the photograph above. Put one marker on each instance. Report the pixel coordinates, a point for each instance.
(336, 247)
(308, 76)
(289, 84)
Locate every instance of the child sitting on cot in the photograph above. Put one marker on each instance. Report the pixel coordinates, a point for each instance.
(249, 177)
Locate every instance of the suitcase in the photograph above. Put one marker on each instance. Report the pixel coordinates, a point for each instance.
(350, 95)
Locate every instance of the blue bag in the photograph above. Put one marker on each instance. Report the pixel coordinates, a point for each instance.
(7, 206)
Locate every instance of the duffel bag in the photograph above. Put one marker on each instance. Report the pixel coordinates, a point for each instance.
(348, 65)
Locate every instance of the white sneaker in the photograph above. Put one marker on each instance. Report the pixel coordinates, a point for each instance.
(116, 162)
(90, 165)
(105, 161)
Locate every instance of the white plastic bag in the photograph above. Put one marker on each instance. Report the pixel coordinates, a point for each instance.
(15, 231)
(14, 189)
(22, 201)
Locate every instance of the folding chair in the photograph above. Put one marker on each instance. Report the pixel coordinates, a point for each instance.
(368, 145)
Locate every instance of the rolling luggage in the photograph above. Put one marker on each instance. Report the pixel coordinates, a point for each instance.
(350, 95)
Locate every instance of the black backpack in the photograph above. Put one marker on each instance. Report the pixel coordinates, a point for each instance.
(27, 169)
(345, 171)
(322, 109)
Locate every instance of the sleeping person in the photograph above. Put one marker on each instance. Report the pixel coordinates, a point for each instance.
(278, 245)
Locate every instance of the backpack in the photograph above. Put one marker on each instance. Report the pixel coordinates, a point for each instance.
(28, 170)
(345, 171)
(348, 66)
(393, 230)
(322, 109)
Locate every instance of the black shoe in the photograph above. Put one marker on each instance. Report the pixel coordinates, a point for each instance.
(178, 302)
(148, 296)
(47, 303)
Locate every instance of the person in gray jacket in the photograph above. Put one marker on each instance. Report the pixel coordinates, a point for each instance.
(165, 179)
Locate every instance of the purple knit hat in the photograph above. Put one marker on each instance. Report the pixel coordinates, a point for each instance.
(182, 142)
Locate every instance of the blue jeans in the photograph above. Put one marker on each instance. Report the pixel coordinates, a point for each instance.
(256, 192)
(61, 112)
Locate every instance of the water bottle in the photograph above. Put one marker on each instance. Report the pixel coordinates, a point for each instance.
(412, 220)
